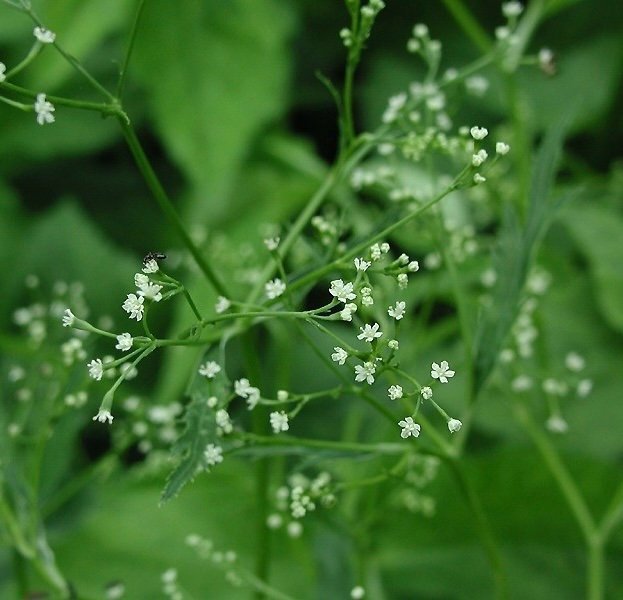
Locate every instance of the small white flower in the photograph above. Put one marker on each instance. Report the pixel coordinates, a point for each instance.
(375, 252)
(357, 593)
(242, 387)
(367, 300)
(96, 369)
(384, 247)
(420, 30)
(2, 72)
(253, 398)
(342, 291)
(295, 529)
(104, 415)
(574, 362)
(512, 9)
(133, 305)
(140, 279)
(128, 370)
(282, 395)
(272, 243)
(212, 402)
(209, 369)
(213, 455)
(501, 148)
(413, 266)
(151, 291)
(478, 133)
(223, 420)
(339, 356)
(479, 157)
(346, 314)
(454, 425)
(68, 318)
(44, 110)
(478, 178)
(403, 280)
(274, 288)
(397, 311)
(521, 383)
(365, 372)
(222, 304)
(426, 393)
(361, 264)
(409, 427)
(394, 392)
(369, 332)
(151, 266)
(403, 259)
(124, 342)
(584, 388)
(441, 372)
(45, 36)
(556, 424)
(393, 344)
(279, 421)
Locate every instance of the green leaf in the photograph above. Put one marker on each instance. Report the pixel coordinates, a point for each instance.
(200, 431)
(215, 75)
(598, 233)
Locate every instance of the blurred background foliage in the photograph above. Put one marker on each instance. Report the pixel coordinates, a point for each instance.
(225, 97)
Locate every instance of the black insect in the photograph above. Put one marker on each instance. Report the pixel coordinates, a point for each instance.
(153, 256)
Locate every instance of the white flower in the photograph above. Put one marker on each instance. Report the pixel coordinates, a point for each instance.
(426, 393)
(133, 305)
(478, 178)
(151, 291)
(584, 388)
(45, 36)
(556, 424)
(403, 259)
(140, 279)
(574, 362)
(413, 266)
(274, 288)
(282, 395)
(272, 243)
(96, 369)
(2, 72)
(479, 157)
(454, 425)
(357, 593)
(213, 455)
(501, 148)
(369, 332)
(339, 356)
(393, 344)
(223, 420)
(102, 416)
(409, 427)
(209, 369)
(279, 421)
(512, 9)
(420, 30)
(375, 252)
(242, 387)
(151, 266)
(44, 110)
(346, 314)
(521, 383)
(361, 264)
(367, 300)
(384, 247)
(394, 392)
(441, 372)
(124, 342)
(128, 370)
(397, 311)
(478, 133)
(222, 304)
(403, 280)
(68, 318)
(342, 291)
(365, 372)
(253, 397)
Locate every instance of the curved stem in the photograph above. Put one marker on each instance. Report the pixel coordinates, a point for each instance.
(128, 53)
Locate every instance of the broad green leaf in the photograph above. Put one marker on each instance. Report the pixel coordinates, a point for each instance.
(215, 74)
(598, 233)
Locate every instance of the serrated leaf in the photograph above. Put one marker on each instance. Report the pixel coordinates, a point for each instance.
(200, 430)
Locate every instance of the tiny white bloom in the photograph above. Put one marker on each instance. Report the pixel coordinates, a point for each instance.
(479, 157)
(209, 369)
(512, 9)
(409, 427)
(222, 304)
(574, 362)
(279, 421)
(133, 305)
(223, 420)
(397, 311)
(375, 252)
(2, 72)
(253, 398)
(357, 593)
(367, 300)
(272, 243)
(104, 415)
(478, 178)
(521, 383)
(441, 372)
(346, 314)
(44, 110)
(45, 36)
(242, 387)
(478, 133)
(151, 291)
(403, 259)
(365, 372)
(454, 425)
(501, 148)
(339, 356)
(584, 388)
(342, 291)
(361, 264)
(420, 30)
(140, 279)
(393, 344)
(426, 393)
(394, 392)
(295, 529)
(68, 318)
(124, 342)
(384, 247)
(151, 266)
(96, 369)
(282, 395)
(213, 455)
(369, 332)
(212, 402)
(556, 424)
(413, 266)
(403, 280)
(128, 370)
(274, 288)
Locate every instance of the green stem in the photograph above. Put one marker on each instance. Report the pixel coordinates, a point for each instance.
(166, 205)
(613, 515)
(469, 24)
(128, 53)
(595, 579)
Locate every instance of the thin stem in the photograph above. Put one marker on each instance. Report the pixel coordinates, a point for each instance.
(166, 205)
(32, 54)
(595, 579)
(128, 53)
(613, 515)
(469, 24)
